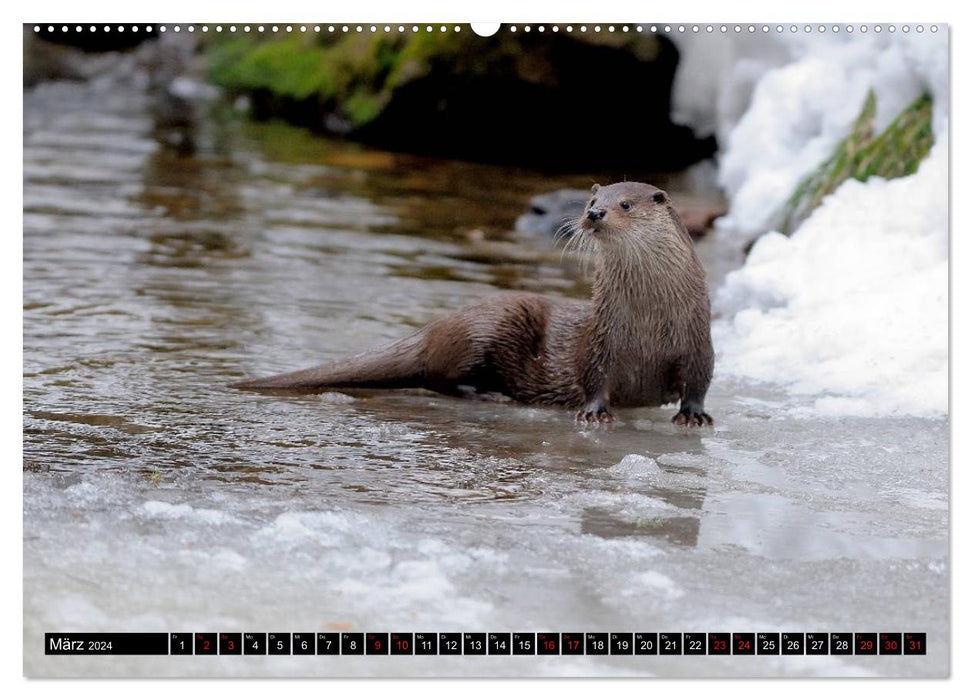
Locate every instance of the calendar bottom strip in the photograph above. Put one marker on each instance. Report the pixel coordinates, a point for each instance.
(486, 643)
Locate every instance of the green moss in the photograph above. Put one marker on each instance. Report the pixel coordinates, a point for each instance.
(353, 74)
(286, 66)
(895, 152)
(361, 107)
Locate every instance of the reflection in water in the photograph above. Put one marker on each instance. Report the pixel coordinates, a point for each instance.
(680, 531)
(676, 504)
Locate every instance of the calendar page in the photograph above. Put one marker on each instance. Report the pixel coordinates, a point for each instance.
(394, 349)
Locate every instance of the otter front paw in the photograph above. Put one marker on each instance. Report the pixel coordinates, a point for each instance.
(693, 416)
(600, 416)
(594, 412)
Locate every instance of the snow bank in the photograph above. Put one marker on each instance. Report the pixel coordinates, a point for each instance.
(716, 76)
(852, 308)
(800, 111)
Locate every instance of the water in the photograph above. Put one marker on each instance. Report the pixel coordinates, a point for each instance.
(156, 499)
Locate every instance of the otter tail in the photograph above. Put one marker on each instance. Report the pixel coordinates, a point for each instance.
(395, 366)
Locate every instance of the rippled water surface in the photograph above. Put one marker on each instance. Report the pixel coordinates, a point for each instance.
(164, 260)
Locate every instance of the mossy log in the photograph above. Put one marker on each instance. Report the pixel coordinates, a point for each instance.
(548, 100)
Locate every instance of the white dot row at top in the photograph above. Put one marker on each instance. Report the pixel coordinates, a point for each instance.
(667, 28)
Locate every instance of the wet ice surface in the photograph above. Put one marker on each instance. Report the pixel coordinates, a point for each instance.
(155, 499)
(474, 517)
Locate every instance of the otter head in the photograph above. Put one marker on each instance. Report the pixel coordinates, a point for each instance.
(618, 213)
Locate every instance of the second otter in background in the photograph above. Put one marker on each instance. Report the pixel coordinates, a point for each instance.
(645, 340)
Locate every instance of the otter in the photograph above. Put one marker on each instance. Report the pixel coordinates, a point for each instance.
(645, 340)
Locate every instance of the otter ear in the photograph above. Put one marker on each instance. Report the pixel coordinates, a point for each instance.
(593, 190)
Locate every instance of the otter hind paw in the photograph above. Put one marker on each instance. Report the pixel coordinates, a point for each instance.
(692, 417)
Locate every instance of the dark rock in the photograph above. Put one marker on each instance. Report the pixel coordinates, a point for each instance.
(584, 106)
(551, 101)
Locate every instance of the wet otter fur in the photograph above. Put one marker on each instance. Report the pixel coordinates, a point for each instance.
(645, 339)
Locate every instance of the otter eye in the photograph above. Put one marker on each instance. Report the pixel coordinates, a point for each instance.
(659, 197)
(592, 202)
(625, 205)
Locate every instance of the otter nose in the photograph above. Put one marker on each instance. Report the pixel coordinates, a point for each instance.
(596, 214)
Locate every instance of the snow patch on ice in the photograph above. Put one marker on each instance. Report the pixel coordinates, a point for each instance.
(659, 583)
(294, 529)
(636, 466)
(228, 560)
(180, 511)
(632, 505)
(159, 509)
